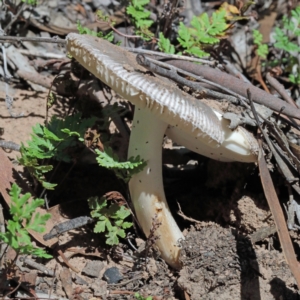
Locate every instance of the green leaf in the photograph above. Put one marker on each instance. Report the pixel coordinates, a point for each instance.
(140, 18)
(257, 36)
(283, 42)
(197, 52)
(126, 225)
(122, 213)
(38, 222)
(70, 133)
(121, 233)
(109, 160)
(204, 31)
(99, 227)
(97, 204)
(52, 142)
(140, 297)
(23, 210)
(184, 36)
(109, 219)
(262, 49)
(48, 185)
(165, 45)
(50, 135)
(112, 238)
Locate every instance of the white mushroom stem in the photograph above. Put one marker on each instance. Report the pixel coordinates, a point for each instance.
(146, 188)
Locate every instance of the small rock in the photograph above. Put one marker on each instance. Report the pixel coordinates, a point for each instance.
(112, 275)
(93, 268)
(99, 287)
(79, 280)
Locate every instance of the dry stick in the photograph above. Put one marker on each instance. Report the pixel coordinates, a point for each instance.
(239, 86)
(9, 145)
(174, 56)
(66, 261)
(280, 222)
(8, 39)
(280, 89)
(274, 205)
(181, 214)
(126, 282)
(37, 266)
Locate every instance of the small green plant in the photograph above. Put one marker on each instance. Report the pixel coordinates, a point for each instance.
(140, 18)
(85, 30)
(52, 141)
(24, 218)
(140, 297)
(123, 170)
(204, 31)
(164, 45)
(30, 2)
(110, 219)
(284, 41)
(262, 49)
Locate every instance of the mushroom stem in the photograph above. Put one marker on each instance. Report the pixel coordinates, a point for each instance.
(146, 187)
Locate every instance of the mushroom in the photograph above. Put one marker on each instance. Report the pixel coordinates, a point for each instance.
(160, 108)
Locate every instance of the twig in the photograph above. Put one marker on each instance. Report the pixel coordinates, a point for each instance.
(280, 89)
(65, 260)
(181, 214)
(13, 290)
(128, 36)
(128, 281)
(173, 56)
(116, 292)
(42, 54)
(9, 145)
(19, 39)
(37, 266)
(152, 237)
(275, 208)
(68, 225)
(231, 69)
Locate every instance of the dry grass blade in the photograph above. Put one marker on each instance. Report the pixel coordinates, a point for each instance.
(280, 222)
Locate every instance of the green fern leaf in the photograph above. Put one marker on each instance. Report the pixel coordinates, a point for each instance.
(165, 45)
(23, 211)
(139, 4)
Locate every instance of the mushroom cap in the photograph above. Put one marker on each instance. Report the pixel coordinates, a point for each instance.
(118, 69)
